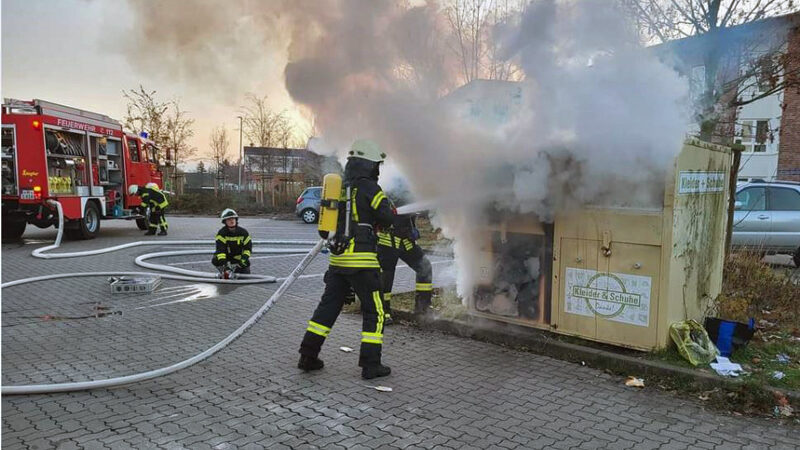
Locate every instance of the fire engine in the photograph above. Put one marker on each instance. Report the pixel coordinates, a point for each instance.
(84, 160)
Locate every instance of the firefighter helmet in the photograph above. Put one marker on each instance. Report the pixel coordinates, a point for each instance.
(133, 189)
(151, 185)
(228, 214)
(366, 149)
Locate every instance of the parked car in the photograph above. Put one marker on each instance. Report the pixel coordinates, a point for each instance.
(308, 204)
(767, 217)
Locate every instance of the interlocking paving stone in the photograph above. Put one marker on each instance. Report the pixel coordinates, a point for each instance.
(449, 392)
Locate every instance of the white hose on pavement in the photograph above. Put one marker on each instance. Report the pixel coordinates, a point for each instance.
(110, 382)
(182, 274)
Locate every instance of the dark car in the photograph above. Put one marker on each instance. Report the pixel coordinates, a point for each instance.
(308, 204)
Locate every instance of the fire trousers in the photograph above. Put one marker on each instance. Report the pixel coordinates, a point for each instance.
(367, 285)
(157, 219)
(411, 254)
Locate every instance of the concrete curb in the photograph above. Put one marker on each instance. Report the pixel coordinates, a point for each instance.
(545, 343)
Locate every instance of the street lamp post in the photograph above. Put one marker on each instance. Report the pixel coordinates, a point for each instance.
(241, 154)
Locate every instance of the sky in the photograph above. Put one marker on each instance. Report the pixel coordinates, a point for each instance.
(71, 52)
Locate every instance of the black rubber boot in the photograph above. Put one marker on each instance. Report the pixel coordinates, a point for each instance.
(309, 363)
(150, 233)
(162, 233)
(375, 371)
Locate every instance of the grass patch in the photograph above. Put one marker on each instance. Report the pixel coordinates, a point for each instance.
(754, 289)
(760, 359)
(445, 302)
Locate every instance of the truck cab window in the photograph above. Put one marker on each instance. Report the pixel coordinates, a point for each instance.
(133, 147)
(152, 153)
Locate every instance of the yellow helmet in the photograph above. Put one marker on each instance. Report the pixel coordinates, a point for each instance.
(366, 149)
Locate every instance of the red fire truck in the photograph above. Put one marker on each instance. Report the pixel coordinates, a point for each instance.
(82, 159)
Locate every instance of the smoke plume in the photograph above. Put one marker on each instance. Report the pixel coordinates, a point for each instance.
(596, 120)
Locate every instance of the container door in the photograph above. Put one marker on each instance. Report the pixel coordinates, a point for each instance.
(627, 295)
(579, 263)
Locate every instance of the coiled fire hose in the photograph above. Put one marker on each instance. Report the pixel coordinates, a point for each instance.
(128, 379)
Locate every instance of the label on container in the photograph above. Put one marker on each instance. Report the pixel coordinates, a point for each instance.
(692, 182)
(619, 297)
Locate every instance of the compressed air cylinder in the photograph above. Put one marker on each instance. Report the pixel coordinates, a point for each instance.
(329, 205)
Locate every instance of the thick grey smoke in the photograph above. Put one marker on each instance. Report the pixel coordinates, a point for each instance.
(597, 119)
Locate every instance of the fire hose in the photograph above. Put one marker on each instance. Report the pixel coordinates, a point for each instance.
(128, 379)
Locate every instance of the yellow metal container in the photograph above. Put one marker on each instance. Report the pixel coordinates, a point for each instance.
(622, 276)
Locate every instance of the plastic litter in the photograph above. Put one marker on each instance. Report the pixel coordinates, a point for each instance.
(693, 342)
(785, 411)
(726, 368)
(380, 388)
(782, 358)
(778, 375)
(634, 382)
(346, 349)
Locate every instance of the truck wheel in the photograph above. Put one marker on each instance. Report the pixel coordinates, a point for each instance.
(13, 230)
(141, 223)
(89, 226)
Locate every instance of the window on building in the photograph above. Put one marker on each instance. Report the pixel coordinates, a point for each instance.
(752, 199)
(697, 82)
(755, 134)
(784, 199)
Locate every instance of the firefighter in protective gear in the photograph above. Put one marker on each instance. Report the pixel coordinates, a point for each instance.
(157, 201)
(399, 242)
(234, 245)
(356, 267)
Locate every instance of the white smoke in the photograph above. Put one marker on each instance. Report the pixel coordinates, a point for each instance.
(597, 119)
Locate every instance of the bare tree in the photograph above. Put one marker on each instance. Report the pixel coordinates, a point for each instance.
(473, 24)
(146, 113)
(166, 123)
(177, 134)
(262, 125)
(739, 66)
(220, 145)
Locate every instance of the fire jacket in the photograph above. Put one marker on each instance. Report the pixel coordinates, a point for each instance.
(369, 208)
(401, 235)
(233, 245)
(153, 198)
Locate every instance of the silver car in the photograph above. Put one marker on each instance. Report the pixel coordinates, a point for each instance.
(767, 217)
(308, 204)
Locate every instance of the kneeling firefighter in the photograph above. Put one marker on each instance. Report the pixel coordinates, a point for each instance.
(354, 262)
(399, 242)
(157, 201)
(234, 246)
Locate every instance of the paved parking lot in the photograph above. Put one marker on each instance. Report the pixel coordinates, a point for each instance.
(448, 392)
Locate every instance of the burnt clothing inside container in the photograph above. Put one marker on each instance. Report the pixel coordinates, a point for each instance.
(517, 264)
